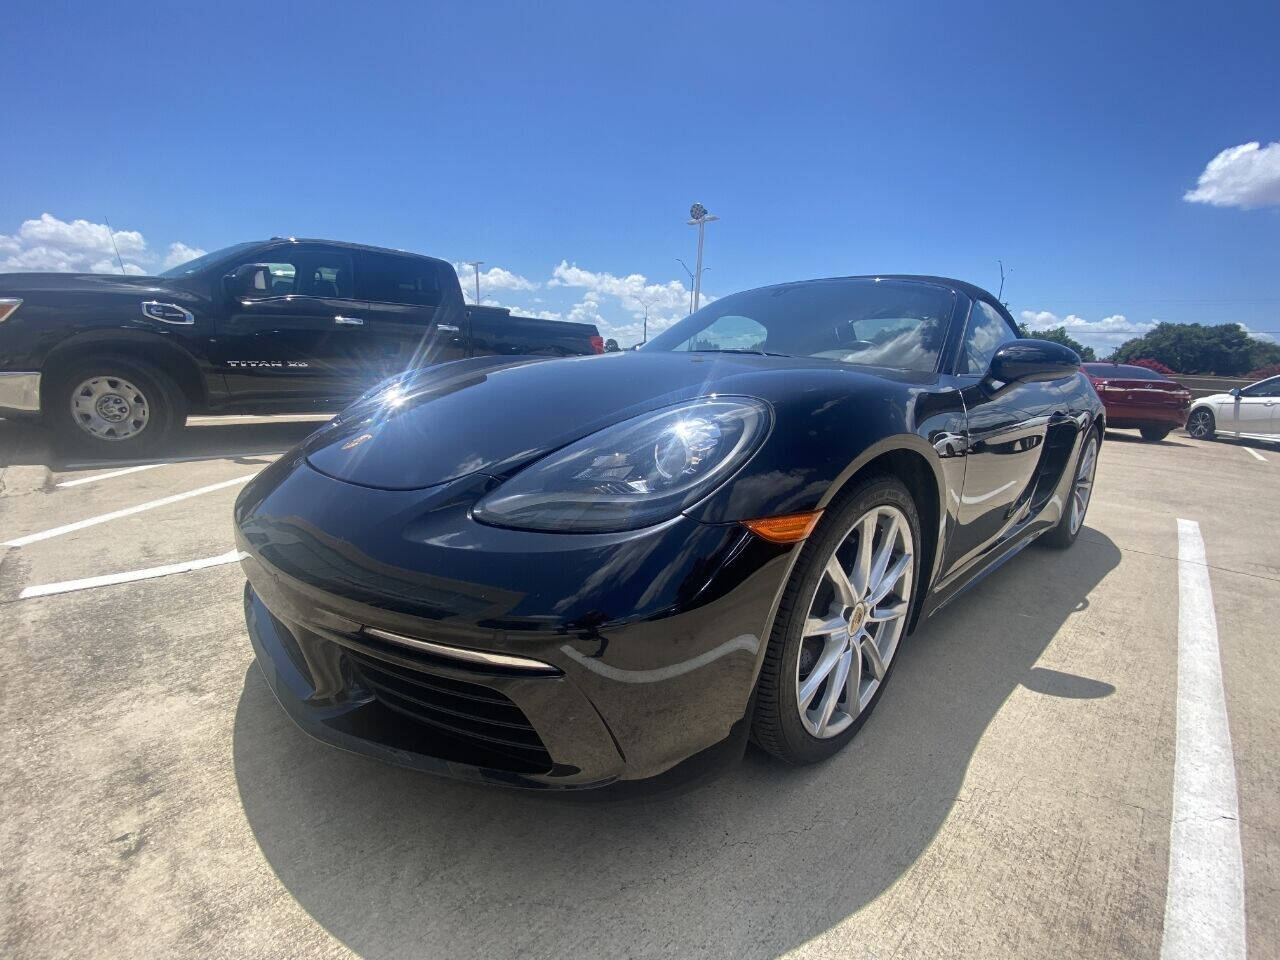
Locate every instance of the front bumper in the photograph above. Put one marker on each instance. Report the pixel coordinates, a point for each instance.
(655, 636)
(19, 393)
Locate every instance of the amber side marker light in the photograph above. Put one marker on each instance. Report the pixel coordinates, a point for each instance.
(792, 528)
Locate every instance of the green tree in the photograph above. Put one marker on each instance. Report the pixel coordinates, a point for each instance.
(1225, 350)
(1059, 335)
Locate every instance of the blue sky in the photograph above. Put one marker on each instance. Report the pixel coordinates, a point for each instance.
(831, 139)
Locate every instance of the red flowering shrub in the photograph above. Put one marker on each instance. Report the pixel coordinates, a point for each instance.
(1150, 364)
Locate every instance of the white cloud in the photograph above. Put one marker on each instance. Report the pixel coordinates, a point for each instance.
(495, 278)
(1104, 334)
(667, 302)
(180, 253)
(1247, 176)
(80, 246)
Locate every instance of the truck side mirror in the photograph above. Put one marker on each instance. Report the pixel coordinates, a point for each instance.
(250, 281)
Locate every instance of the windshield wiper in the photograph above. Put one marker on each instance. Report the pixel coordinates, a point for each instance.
(758, 353)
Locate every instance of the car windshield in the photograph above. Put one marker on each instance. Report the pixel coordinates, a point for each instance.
(864, 321)
(199, 263)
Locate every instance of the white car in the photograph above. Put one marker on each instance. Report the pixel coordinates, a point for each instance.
(1252, 411)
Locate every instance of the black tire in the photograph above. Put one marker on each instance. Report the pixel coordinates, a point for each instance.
(163, 400)
(1154, 434)
(1201, 424)
(776, 725)
(1062, 536)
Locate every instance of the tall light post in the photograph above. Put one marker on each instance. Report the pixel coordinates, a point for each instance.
(475, 265)
(699, 217)
(690, 273)
(646, 304)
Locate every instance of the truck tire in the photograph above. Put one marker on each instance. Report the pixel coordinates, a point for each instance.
(113, 407)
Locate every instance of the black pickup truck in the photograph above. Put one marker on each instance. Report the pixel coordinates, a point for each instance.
(115, 363)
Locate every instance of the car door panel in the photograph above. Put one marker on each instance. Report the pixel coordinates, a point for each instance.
(1018, 438)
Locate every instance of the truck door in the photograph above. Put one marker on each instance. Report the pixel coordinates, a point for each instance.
(412, 319)
(292, 335)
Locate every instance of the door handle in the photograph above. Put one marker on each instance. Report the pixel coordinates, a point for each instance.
(446, 328)
(349, 321)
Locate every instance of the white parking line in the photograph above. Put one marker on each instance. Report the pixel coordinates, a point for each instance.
(127, 511)
(108, 476)
(1204, 901)
(66, 586)
(1256, 454)
(203, 458)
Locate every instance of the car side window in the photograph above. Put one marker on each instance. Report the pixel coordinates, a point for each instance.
(405, 280)
(1267, 388)
(986, 332)
(303, 273)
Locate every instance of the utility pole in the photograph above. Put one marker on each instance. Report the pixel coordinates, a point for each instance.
(698, 217)
(475, 265)
(646, 304)
(690, 273)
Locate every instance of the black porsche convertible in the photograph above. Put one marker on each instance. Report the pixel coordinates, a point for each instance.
(570, 572)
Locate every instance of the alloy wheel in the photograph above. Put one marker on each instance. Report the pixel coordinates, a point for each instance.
(1082, 488)
(855, 620)
(1198, 426)
(110, 408)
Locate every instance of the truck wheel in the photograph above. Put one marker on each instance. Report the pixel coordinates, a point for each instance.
(114, 407)
(1154, 434)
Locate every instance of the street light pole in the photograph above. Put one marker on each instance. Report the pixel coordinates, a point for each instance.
(475, 265)
(645, 304)
(699, 217)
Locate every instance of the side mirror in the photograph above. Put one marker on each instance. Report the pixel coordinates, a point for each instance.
(1033, 360)
(1235, 392)
(249, 280)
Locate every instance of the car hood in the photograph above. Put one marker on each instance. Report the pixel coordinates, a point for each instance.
(492, 414)
(78, 282)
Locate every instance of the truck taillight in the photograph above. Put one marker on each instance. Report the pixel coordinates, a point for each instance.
(597, 342)
(7, 307)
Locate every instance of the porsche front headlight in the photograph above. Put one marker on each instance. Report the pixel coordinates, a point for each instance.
(633, 474)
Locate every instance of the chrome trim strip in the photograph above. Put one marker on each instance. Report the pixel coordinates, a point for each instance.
(13, 303)
(461, 653)
(20, 392)
(187, 317)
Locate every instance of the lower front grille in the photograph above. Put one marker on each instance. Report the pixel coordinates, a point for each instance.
(479, 720)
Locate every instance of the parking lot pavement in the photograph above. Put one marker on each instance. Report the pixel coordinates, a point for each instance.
(1011, 796)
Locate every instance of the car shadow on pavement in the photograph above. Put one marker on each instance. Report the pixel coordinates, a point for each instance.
(750, 864)
(1173, 440)
(29, 443)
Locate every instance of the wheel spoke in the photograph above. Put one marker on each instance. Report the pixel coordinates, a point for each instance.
(871, 654)
(818, 627)
(840, 579)
(830, 656)
(891, 612)
(834, 689)
(866, 530)
(881, 562)
(889, 578)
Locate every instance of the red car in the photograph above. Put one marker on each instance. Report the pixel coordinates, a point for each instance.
(1138, 398)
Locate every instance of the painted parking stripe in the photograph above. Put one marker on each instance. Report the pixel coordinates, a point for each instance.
(1204, 905)
(126, 512)
(203, 458)
(1255, 454)
(67, 586)
(107, 476)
